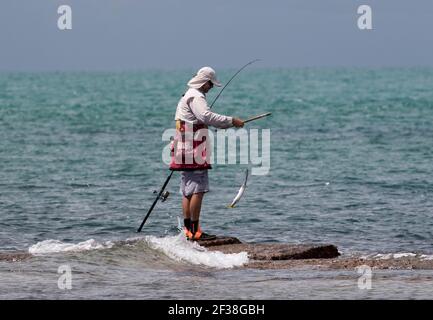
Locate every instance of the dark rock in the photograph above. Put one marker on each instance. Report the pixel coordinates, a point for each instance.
(261, 251)
(219, 241)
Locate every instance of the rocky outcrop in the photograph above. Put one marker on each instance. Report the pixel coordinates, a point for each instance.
(286, 256)
(289, 256)
(14, 257)
(344, 263)
(270, 252)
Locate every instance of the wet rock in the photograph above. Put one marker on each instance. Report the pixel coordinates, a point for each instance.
(219, 241)
(344, 264)
(264, 251)
(14, 257)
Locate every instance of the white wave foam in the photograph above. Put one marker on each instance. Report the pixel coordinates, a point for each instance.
(403, 255)
(180, 249)
(387, 256)
(53, 246)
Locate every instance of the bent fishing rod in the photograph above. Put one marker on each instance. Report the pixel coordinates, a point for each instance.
(159, 196)
(221, 91)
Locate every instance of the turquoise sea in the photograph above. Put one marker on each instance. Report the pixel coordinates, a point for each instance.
(80, 156)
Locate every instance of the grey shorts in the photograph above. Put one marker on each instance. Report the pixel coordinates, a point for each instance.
(193, 182)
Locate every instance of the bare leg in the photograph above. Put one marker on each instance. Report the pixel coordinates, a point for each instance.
(195, 206)
(186, 207)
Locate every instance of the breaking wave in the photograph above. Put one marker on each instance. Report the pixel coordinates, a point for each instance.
(55, 246)
(180, 249)
(176, 248)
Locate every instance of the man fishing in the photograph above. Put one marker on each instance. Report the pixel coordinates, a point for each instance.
(190, 149)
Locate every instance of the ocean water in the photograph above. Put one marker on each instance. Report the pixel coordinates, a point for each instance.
(80, 156)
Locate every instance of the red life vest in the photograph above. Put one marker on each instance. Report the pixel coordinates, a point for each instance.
(189, 149)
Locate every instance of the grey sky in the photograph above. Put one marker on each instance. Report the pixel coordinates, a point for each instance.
(140, 34)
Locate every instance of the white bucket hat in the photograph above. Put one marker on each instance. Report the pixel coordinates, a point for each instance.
(204, 75)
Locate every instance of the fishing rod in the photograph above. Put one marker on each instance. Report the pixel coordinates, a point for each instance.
(221, 91)
(156, 200)
(258, 117)
(160, 194)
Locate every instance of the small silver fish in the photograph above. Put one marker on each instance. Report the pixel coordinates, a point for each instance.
(240, 192)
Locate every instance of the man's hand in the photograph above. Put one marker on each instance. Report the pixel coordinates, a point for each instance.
(238, 123)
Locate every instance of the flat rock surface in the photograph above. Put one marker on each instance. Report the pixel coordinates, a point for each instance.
(289, 256)
(265, 251)
(345, 264)
(15, 256)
